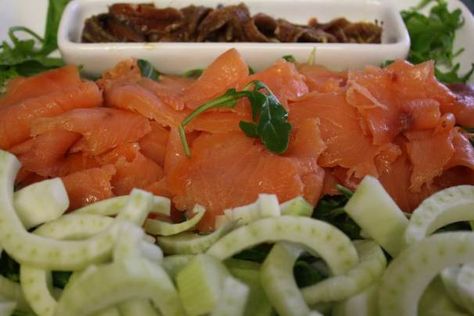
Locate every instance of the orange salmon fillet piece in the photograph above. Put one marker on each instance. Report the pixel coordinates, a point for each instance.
(102, 128)
(89, 186)
(16, 119)
(45, 153)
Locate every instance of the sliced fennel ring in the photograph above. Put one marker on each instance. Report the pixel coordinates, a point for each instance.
(137, 307)
(120, 281)
(449, 279)
(361, 304)
(37, 287)
(377, 214)
(36, 282)
(442, 208)
(74, 226)
(156, 227)
(112, 206)
(409, 274)
(337, 288)
(41, 202)
(465, 283)
(12, 291)
(188, 243)
(320, 237)
(279, 283)
(30, 249)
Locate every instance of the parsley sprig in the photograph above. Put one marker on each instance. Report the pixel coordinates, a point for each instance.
(25, 57)
(269, 117)
(432, 38)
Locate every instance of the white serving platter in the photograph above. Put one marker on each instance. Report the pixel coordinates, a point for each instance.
(185, 56)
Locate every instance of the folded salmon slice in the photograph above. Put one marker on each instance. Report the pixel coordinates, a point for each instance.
(20, 89)
(153, 144)
(16, 119)
(102, 128)
(89, 186)
(226, 71)
(133, 169)
(347, 146)
(321, 79)
(229, 169)
(45, 153)
(283, 80)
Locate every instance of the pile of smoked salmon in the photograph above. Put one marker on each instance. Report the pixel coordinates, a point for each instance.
(106, 137)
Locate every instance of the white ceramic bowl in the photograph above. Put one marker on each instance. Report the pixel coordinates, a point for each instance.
(179, 57)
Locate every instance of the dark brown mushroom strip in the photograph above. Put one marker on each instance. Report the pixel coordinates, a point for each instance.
(217, 20)
(147, 23)
(95, 30)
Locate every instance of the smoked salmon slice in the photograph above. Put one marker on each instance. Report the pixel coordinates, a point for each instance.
(227, 71)
(133, 169)
(347, 146)
(102, 128)
(45, 153)
(283, 80)
(89, 186)
(153, 144)
(20, 89)
(230, 169)
(16, 119)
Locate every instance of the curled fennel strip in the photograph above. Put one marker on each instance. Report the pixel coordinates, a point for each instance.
(11, 291)
(465, 283)
(36, 282)
(191, 243)
(111, 207)
(410, 273)
(449, 280)
(117, 282)
(370, 269)
(156, 227)
(442, 208)
(320, 237)
(377, 214)
(7, 308)
(279, 283)
(41, 202)
(137, 307)
(361, 304)
(30, 249)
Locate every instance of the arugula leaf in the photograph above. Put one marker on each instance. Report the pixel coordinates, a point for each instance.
(289, 58)
(193, 73)
(9, 268)
(61, 278)
(272, 125)
(147, 70)
(308, 273)
(227, 100)
(432, 37)
(30, 56)
(331, 209)
(249, 128)
(270, 118)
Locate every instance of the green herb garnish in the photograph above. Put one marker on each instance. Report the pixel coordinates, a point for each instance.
(432, 37)
(270, 118)
(289, 58)
(147, 70)
(331, 210)
(31, 56)
(193, 73)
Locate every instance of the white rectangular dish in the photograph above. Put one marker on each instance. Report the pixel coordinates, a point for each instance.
(179, 57)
